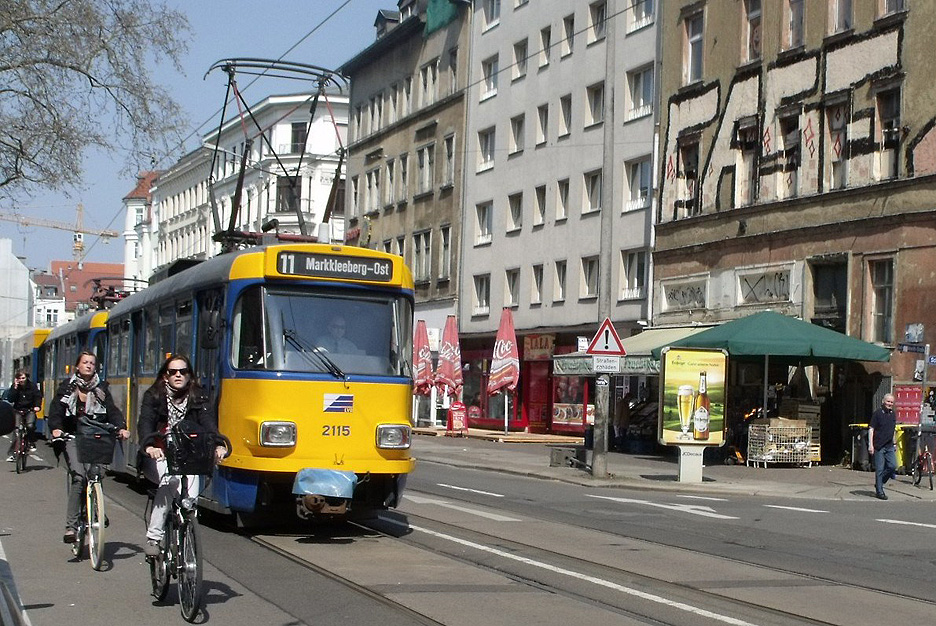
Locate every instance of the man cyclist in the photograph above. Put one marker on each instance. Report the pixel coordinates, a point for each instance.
(26, 399)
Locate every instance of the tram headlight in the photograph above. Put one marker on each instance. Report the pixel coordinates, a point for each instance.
(394, 436)
(278, 434)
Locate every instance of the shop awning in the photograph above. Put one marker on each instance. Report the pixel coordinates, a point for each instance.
(639, 359)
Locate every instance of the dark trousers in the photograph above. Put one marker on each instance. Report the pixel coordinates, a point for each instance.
(885, 466)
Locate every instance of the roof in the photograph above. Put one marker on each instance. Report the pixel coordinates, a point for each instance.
(374, 52)
(143, 186)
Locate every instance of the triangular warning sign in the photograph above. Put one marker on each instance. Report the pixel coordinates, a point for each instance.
(606, 341)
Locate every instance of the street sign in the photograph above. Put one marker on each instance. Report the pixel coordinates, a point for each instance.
(911, 347)
(932, 360)
(606, 341)
(606, 364)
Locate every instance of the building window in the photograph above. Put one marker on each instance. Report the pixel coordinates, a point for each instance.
(688, 177)
(542, 123)
(795, 24)
(288, 194)
(633, 274)
(752, 26)
(888, 113)
(486, 140)
(355, 198)
(562, 199)
(515, 203)
(882, 283)
(597, 13)
(568, 35)
(392, 100)
(746, 176)
(790, 157)
(520, 52)
(539, 217)
(373, 190)
(390, 187)
(594, 96)
(536, 285)
(453, 70)
(640, 14)
(589, 277)
(489, 71)
(693, 33)
(358, 129)
(484, 219)
(638, 184)
(516, 134)
(512, 287)
(401, 246)
(640, 93)
(565, 115)
(888, 7)
(298, 134)
(559, 286)
(426, 163)
(840, 15)
(491, 13)
(404, 178)
(422, 256)
(482, 294)
(406, 96)
(445, 252)
(837, 123)
(592, 191)
(450, 160)
(545, 44)
(427, 82)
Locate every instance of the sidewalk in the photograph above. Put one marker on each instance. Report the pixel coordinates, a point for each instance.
(531, 454)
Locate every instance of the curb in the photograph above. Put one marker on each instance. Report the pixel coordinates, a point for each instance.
(9, 608)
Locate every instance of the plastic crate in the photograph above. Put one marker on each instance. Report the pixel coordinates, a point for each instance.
(779, 444)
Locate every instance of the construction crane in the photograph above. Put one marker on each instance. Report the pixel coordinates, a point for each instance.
(77, 228)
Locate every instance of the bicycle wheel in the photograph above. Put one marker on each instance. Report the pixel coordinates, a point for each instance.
(190, 569)
(916, 472)
(95, 506)
(159, 574)
(929, 467)
(20, 449)
(77, 548)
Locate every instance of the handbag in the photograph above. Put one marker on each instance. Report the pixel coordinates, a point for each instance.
(190, 449)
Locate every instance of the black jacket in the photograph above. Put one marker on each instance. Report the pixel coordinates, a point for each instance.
(59, 418)
(154, 417)
(25, 398)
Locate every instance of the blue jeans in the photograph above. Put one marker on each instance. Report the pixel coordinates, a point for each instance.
(885, 466)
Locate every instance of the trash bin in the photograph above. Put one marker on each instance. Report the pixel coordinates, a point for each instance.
(905, 437)
(860, 459)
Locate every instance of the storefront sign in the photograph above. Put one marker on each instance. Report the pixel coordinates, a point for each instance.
(538, 347)
(692, 397)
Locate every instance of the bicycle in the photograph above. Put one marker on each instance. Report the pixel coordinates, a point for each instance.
(923, 464)
(181, 556)
(95, 448)
(21, 442)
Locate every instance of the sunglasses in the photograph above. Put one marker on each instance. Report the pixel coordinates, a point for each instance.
(171, 371)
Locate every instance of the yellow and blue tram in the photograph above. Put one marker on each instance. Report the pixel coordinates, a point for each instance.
(26, 356)
(312, 428)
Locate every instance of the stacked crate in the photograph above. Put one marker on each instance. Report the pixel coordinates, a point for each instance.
(807, 412)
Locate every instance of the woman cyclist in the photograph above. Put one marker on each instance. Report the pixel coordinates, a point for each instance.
(174, 397)
(83, 395)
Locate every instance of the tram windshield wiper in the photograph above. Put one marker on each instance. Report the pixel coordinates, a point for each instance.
(308, 351)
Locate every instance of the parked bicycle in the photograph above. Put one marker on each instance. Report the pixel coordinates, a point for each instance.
(923, 464)
(21, 444)
(181, 553)
(95, 445)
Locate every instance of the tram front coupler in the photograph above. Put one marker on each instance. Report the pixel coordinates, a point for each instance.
(323, 492)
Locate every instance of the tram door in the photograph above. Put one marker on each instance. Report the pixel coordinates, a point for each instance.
(207, 351)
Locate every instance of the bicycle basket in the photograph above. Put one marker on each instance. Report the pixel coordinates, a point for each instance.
(95, 441)
(189, 450)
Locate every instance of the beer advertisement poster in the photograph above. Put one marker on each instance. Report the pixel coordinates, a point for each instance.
(692, 396)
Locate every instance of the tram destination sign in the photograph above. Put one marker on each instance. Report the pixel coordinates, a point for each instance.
(333, 266)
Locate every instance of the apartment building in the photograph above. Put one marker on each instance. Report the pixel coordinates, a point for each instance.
(796, 173)
(407, 142)
(558, 192)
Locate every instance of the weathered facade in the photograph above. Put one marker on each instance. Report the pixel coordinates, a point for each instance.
(797, 162)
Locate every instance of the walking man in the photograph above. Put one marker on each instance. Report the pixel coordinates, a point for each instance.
(881, 445)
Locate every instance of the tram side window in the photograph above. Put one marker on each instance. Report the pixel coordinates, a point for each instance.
(149, 341)
(247, 344)
(184, 328)
(123, 367)
(165, 332)
(100, 350)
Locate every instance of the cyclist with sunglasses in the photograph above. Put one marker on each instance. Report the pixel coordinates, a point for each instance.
(174, 397)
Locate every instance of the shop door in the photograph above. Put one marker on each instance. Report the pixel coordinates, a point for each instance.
(535, 385)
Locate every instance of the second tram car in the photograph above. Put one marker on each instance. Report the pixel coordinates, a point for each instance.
(313, 424)
(27, 356)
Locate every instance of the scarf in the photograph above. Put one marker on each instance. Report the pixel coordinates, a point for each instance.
(95, 396)
(175, 410)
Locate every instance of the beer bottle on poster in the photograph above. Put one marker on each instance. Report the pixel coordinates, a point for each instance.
(700, 419)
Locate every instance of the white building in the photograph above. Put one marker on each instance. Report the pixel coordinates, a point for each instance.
(16, 306)
(306, 154)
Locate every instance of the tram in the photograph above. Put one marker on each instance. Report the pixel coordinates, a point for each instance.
(314, 428)
(27, 356)
(61, 347)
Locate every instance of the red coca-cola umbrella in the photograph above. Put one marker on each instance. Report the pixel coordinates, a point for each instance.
(505, 366)
(448, 378)
(422, 360)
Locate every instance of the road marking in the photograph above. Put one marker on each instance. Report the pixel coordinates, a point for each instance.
(794, 508)
(704, 498)
(692, 509)
(897, 521)
(578, 575)
(463, 509)
(483, 493)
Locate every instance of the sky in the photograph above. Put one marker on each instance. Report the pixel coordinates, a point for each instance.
(220, 29)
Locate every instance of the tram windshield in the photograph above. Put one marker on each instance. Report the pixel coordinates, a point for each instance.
(327, 331)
